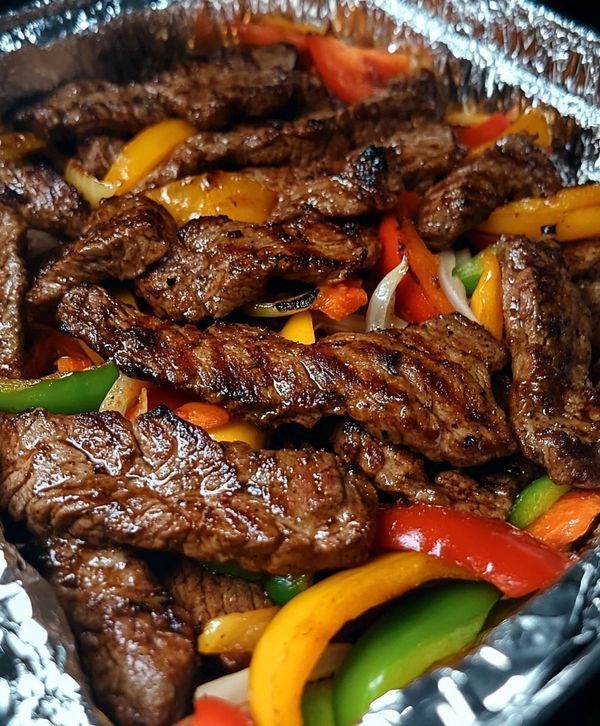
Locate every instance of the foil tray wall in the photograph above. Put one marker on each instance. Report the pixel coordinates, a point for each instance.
(495, 53)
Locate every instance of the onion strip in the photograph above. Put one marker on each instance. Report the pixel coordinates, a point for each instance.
(452, 286)
(380, 312)
(91, 189)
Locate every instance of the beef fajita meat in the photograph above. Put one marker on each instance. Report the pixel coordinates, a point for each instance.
(97, 153)
(136, 649)
(555, 412)
(427, 386)
(209, 95)
(161, 483)
(511, 169)
(219, 265)
(488, 497)
(123, 237)
(42, 197)
(583, 258)
(330, 133)
(590, 293)
(13, 284)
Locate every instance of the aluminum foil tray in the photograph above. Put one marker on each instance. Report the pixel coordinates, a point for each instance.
(493, 53)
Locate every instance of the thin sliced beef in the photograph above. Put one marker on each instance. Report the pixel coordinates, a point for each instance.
(97, 153)
(590, 293)
(161, 483)
(583, 258)
(220, 265)
(554, 410)
(511, 169)
(13, 284)
(427, 386)
(42, 197)
(137, 651)
(123, 237)
(331, 133)
(488, 497)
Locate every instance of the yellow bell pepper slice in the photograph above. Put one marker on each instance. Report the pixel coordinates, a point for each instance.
(233, 194)
(16, 144)
(532, 121)
(235, 632)
(239, 430)
(299, 328)
(564, 210)
(146, 151)
(299, 632)
(486, 302)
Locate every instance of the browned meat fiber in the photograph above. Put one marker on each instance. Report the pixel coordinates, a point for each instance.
(123, 237)
(554, 409)
(97, 153)
(13, 284)
(427, 386)
(42, 197)
(220, 265)
(161, 483)
(137, 651)
(511, 169)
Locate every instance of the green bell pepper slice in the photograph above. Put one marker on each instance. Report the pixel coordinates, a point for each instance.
(77, 392)
(282, 588)
(421, 629)
(317, 704)
(470, 272)
(534, 500)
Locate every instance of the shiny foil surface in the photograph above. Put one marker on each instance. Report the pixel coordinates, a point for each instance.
(493, 53)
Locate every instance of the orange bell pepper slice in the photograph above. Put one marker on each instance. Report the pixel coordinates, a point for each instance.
(488, 130)
(72, 363)
(568, 519)
(340, 299)
(532, 121)
(486, 301)
(207, 415)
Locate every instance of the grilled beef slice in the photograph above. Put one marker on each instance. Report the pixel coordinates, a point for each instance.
(161, 483)
(42, 197)
(219, 265)
(137, 651)
(13, 284)
(123, 237)
(97, 153)
(583, 258)
(427, 386)
(590, 293)
(511, 169)
(554, 410)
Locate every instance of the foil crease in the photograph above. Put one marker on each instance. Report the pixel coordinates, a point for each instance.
(487, 53)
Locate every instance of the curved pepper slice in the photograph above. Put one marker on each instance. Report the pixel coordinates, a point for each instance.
(486, 302)
(495, 551)
(534, 500)
(235, 632)
(77, 392)
(568, 519)
(298, 634)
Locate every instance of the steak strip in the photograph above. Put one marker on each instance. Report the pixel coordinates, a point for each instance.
(220, 265)
(426, 387)
(160, 483)
(13, 284)
(137, 651)
(511, 169)
(554, 410)
(96, 154)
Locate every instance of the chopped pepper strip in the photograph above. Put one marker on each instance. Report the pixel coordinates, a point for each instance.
(495, 551)
(568, 519)
(77, 392)
(207, 415)
(263, 32)
(235, 632)
(233, 194)
(298, 634)
(282, 588)
(534, 500)
(239, 430)
(299, 327)
(340, 299)
(317, 704)
(71, 363)
(213, 711)
(146, 151)
(532, 121)
(424, 627)
(488, 130)
(486, 302)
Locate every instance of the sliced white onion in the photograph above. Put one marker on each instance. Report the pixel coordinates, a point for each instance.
(91, 189)
(380, 312)
(462, 256)
(452, 286)
(122, 395)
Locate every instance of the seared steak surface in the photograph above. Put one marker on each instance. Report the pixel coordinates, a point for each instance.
(160, 483)
(555, 411)
(97, 153)
(219, 265)
(13, 284)
(427, 386)
(137, 651)
(511, 169)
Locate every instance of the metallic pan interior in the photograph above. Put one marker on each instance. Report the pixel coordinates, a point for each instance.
(495, 52)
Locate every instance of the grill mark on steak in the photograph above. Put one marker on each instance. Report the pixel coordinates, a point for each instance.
(97, 153)
(123, 237)
(137, 651)
(13, 284)
(554, 410)
(42, 197)
(427, 386)
(161, 483)
(219, 265)
(511, 169)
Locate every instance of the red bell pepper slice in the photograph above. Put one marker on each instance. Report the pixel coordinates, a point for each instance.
(354, 73)
(512, 560)
(494, 126)
(212, 711)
